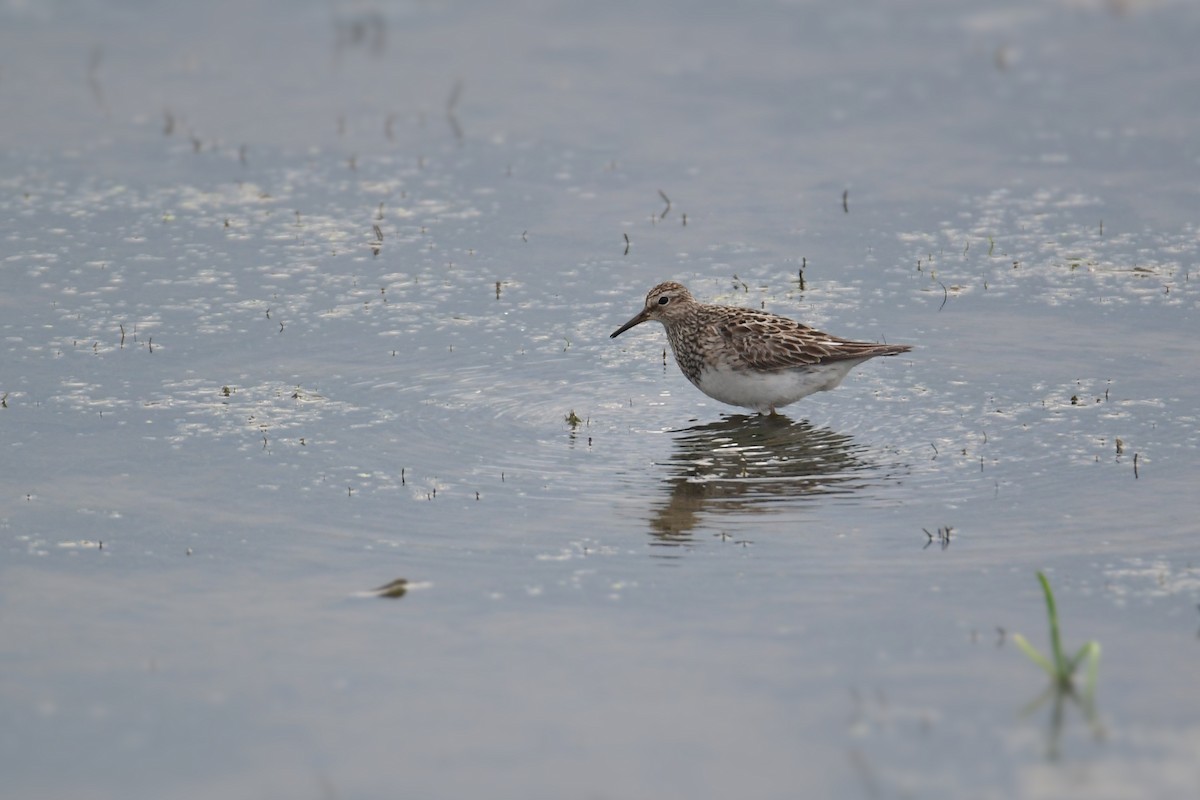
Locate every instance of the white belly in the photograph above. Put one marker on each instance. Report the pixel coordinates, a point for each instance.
(765, 391)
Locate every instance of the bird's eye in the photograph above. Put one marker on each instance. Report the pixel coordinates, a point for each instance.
(662, 301)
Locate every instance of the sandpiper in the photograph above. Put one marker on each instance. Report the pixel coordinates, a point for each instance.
(749, 358)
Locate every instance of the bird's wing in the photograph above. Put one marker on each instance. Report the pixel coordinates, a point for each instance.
(768, 342)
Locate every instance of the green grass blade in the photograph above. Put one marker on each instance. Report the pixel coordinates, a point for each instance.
(1034, 655)
(1039, 701)
(1093, 653)
(1080, 655)
(1061, 669)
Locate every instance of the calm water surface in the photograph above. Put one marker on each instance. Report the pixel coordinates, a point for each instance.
(303, 299)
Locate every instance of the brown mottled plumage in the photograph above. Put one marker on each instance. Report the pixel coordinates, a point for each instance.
(751, 358)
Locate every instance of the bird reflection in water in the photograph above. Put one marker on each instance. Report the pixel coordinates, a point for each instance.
(743, 464)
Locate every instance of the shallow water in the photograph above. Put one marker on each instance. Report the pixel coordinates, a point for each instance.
(258, 365)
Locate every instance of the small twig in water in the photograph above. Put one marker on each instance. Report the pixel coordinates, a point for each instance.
(942, 535)
(455, 94)
(93, 75)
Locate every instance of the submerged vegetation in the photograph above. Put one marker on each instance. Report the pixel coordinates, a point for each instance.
(1061, 669)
